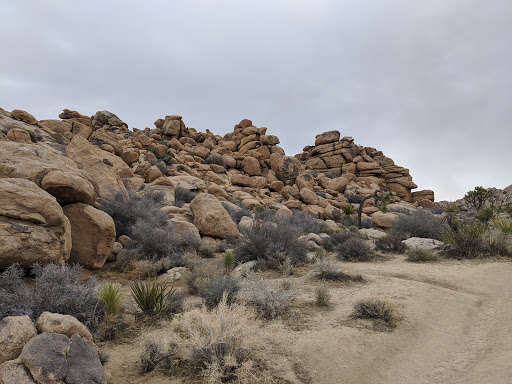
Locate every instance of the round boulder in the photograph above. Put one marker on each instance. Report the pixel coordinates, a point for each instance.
(210, 217)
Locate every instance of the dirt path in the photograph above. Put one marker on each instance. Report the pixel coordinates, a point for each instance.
(458, 327)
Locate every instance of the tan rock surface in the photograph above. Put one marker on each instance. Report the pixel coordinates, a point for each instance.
(33, 227)
(93, 234)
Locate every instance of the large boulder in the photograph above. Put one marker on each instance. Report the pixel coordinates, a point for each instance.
(106, 168)
(422, 243)
(24, 116)
(63, 324)
(210, 217)
(285, 167)
(33, 227)
(53, 358)
(93, 234)
(384, 220)
(70, 187)
(327, 137)
(15, 332)
(37, 162)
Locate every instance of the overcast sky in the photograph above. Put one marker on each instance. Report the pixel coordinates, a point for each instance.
(428, 82)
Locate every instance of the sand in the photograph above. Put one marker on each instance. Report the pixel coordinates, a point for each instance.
(457, 328)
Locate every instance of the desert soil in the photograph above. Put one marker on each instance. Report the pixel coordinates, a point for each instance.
(457, 328)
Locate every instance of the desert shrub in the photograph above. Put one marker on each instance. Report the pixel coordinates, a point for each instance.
(224, 345)
(156, 243)
(384, 312)
(420, 223)
(57, 289)
(391, 243)
(467, 243)
(167, 158)
(269, 299)
(485, 214)
(152, 268)
(348, 209)
(270, 244)
(228, 259)
(206, 250)
(126, 208)
(352, 221)
(184, 195)
(216, 287)
(153, 356)
(112, 296)
(215, 159)
(500, 243)
(418, 255)
(329, 270)
(322, 296)
(265, 214)
(16, 299)
(337, 238)
(199, 274)
(302, 221)
(160, 165)
(354, 250)
(236, 213)
(154, 298)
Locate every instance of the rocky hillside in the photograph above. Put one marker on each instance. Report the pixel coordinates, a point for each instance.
(52, 173)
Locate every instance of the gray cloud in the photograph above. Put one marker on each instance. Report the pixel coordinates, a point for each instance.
(429, 83)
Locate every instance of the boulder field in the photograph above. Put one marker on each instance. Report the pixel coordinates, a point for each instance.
(52, 173)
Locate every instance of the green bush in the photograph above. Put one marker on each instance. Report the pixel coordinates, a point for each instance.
(112, 297)
(485, 214)
(229, 259)
(155, 298)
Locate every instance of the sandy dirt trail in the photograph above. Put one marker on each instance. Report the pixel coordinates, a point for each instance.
(457, 328)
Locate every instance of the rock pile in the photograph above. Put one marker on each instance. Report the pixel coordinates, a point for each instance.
(62, 352)
(53, 171)
(361, 165)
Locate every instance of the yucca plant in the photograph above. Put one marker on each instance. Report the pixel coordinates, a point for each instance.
(504, 224)
(155, 298)
(112, 296)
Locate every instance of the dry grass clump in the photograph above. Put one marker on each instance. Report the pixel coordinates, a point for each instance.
(322, 296)
(271, 300)
(224, 345)
(391, 243)
(329, 270)
(417, 255)
(385, 313)
(153, 356)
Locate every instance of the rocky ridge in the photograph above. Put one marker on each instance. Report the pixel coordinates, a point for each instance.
(65, 165)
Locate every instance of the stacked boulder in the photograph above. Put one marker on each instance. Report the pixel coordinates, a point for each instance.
(47, 190)
(364, 165)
